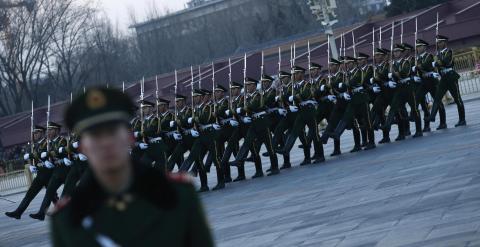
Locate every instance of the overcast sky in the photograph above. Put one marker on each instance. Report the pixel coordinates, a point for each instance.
(118, 10)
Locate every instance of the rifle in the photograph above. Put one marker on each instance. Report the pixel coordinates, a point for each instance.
(245, 81)
(373, 53)
(401, 32)
(123, 87)
(213, 90)
(193, 107)
(292, 62)
(328, 60)
(199, 78)
(280, 85)
(436, 34)
(416, 37)
(261, 77)
(157, 104)
(391, 47)
(309, 62)
(176, 86)
(31, 136)
(142, 92)
(48, 124)
(380, 38)
(230, 84)
(354, 46)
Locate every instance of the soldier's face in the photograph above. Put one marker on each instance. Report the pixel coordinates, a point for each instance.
(285, 80)
(235, 91)
(421, 49)
(37, 135)
(333, 68)
(299, 76)
(107, 148)
(441, 44)
(52, 133)
(180, 104)
(146, 110)
(314, 72)
(350, 65)
(207, 98)
(219, 95)
(162, 108)
(251, 87)
(266, 84)
(197, 99)
(379, 58)
(397, 54)
(362, 62)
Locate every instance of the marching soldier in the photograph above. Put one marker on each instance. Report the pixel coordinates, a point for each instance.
(403, 93)
(119, 189)
(449, 81)
(427, 83)
(57, 159)
(255, 113)
(139, 126)
(304, 98)
(205, 123)
(77, 169)
(185, 141)
(36, 166)
(368, 139)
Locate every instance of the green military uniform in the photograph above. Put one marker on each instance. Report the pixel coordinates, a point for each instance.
(205, 122)
(255, 111)
(43, 175)
(304, 98)
(187, 139)
(444, 63)
(58, 154)
(403, 93)
(357, 108)
(77, 169)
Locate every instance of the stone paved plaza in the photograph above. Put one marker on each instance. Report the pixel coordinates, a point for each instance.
(423, 192)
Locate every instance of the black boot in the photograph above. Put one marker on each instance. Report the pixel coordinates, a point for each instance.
(258, 168)
(426, 127)
(286, 162)
(364, 133)
(288, 145)
(461, 116)
(203, 180)
(442, 126)
(241, 173)
(307, 160)
(356, 139)
(401, 131)
(418, 125)
(319, 156)
(325, 137)
(17, 214)
(336, 148)
(228, 173)
(371, 140)
(434, 111)
(220, 179)
(386, 137)
(406, 124)
(38, 216)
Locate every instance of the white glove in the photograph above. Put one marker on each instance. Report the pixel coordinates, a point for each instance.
(194, 133)
(436, 75)
(390, 75)
(227, 112)
(239, 110)
(135, 134)
(233, 123)
(277, 98)
(414, 69)
(340, 85)
(346, 96)
(143, 146)
(371, 80)
(82, 157)
(417, 79)
(48, 164)
(392, 84)
(75, 145)
(290, 98)
(282, 112)
(216, 127)
(43, 155)
(60, 150)
(67, 162)
(247, 120)
(190, 120)
(322, 88)
(172, 124)
(293, 108)
(376, 89)
(331, 98)
(177, 136)
(26, 157)
(33, 169)
(434, 64)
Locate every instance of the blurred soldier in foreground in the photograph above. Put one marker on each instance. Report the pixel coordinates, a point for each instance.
(123, 202)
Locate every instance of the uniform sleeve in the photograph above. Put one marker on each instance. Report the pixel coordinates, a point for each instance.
(56, 235)
(199, 233)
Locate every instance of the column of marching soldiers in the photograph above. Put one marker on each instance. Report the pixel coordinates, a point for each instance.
(350, 94)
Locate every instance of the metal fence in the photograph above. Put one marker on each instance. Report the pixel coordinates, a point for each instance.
(14, 180)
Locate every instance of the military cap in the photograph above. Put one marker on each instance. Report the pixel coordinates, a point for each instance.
(161, 101)
(146, 103)
(407, 46)
(267, 78)
(53, 125)
(249, 80)
(298, 69)
(341, 59)
(348, 59)
(335, 61)
(398, 47)
(315, 66)
(180, 97)
(442, 38)
(387, 51)
(37, 128)
(206, 92)
(220, 88)
(284, 74)
(99, 105)
(362, 56)
(380, 51)
(236, 85)
(421, 42)
(198, 92)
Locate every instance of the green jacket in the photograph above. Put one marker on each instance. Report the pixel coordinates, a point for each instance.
(424, 64)
(157, 210)
(354, 78)
(401, 69)
(444, 59)
(254, 104)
